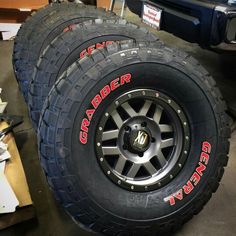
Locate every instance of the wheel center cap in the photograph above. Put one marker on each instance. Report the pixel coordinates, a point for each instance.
(139, 140)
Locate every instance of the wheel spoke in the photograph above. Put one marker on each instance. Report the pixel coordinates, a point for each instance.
(166, 128)
(138, 145)
(117, 119)
(146, 106)
(131, 112)
(120, 164)
(167, 143)
(110, 150)
(161, 158)
(111, 134)
(133, 170)
(150, 168)
(157, 114)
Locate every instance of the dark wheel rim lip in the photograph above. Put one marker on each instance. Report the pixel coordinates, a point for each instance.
(180, 149)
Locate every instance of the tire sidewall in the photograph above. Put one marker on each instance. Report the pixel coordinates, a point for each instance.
(109, 197)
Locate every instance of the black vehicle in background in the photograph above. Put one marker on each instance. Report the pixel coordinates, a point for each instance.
(208, 23)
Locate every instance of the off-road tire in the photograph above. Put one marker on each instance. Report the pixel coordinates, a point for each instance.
(46, 30)
(73, 169)
(67, 48)
(24, 34)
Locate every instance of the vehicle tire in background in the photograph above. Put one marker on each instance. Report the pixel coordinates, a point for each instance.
(69, 47)
(133, 139)
(23, 36)
(46, 30)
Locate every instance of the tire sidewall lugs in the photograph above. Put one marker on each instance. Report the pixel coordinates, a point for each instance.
(193, 92)
(45, 32)
(67, 48)
(24, 34)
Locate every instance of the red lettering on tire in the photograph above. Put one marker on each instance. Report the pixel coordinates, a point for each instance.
(68, 28)
(83, 137)
(85, 124)
(200, 169)
(90, 113)
(105, 91)
(206, 147)
(91, 48)
(188, 188)
(97, 100)
(114, 84)
(195, 178)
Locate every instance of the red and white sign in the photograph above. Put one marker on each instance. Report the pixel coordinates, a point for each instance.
(152, 16)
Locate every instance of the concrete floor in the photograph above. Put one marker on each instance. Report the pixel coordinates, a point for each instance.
(218, 217)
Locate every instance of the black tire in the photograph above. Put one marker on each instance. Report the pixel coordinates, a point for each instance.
(73, 169)
(67, 48)
(27, 28)
(49, 28)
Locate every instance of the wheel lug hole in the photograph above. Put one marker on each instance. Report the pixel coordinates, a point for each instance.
(144, 124)
(127, 128)
(124, 147)
(140, 154)
(153, 140)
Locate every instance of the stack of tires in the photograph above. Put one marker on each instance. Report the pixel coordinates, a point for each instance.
(132, 135)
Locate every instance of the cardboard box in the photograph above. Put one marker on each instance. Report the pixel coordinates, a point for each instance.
(16, 11)
(106, 4)
(103, 4)
(23, 5)
(15, 175)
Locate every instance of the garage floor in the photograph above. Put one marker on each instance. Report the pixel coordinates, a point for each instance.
(218, 217)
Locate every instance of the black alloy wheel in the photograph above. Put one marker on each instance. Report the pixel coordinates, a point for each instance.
(142, 140)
